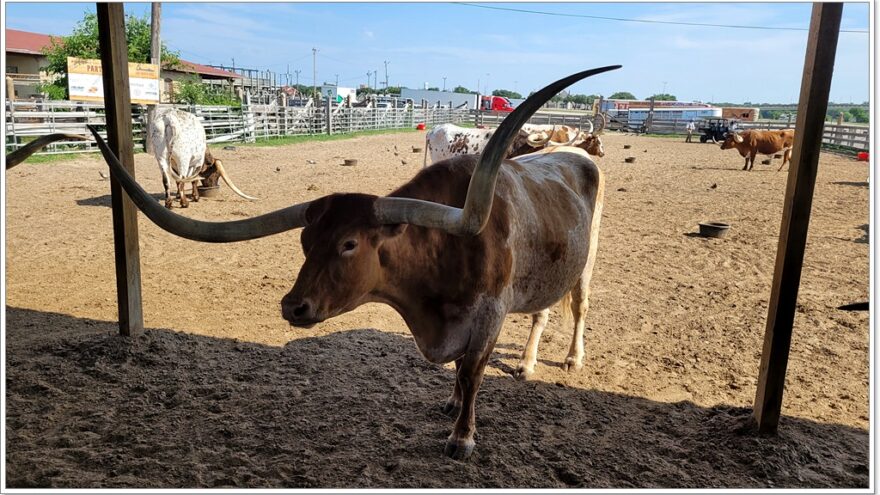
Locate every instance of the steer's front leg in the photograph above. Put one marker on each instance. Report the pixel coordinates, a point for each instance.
(460, 443)
(453, 403)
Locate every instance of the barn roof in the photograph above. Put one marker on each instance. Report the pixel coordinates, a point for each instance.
(28, 43)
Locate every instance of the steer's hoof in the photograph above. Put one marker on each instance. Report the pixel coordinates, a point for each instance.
(572, 364)
(169, 205)
(522, 373)
(459, 449)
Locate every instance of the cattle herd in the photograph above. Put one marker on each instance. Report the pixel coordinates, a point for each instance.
(506, 220)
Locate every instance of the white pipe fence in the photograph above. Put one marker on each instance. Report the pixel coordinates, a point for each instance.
(27, 120)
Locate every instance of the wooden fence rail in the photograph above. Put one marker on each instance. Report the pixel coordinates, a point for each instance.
(27, 120)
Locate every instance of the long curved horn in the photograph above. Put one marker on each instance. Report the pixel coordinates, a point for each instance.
(603, 121)
(471, 219)
(572, 140)
(229, 182)
(275, 222)
(590, 123)
(537, 142)
(22, 154)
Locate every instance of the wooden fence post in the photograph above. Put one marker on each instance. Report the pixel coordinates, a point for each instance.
(117, 100)
(815, 87)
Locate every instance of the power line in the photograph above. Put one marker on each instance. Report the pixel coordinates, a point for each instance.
(648, 21)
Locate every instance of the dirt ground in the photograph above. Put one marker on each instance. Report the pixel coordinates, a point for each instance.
(220, 391)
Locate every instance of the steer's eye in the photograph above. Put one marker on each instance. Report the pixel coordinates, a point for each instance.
(348, 247)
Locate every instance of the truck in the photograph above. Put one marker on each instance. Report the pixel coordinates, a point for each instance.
(495, 104)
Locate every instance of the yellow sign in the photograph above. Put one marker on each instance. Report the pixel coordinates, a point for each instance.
(85, 81)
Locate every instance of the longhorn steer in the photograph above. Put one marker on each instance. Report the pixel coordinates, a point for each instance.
(448, 140)
(178, 142)
(751, 142)
(454, 250)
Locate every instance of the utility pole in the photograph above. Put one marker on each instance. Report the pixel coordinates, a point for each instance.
(337, 80)
(444, 83)
(376, 78)
(368, 79)
(315, 73)
(386, 75)
(287, 75)
(156, 59)
(297, 71)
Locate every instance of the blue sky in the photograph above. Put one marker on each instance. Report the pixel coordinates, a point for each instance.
(424, 42)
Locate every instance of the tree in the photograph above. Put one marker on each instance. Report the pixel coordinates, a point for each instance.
(433, 88)
(858, 114)
(83, 43)
(622, 95)
(462, 89)
(191, 91)
(506, 93)
(663, 97)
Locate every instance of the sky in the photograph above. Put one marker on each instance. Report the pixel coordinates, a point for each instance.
(497, 49)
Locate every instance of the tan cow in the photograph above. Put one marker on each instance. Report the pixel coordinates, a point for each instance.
(751, 142)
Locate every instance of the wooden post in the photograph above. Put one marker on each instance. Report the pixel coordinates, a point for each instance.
(815, 86)
(117, 101)
(155, 58)
(10, 89)
(10, 97)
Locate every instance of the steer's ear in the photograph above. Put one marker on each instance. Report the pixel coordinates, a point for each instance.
(316, 209)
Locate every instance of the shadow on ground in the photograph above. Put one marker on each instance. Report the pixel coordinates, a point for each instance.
(360, 408)
(104, 200)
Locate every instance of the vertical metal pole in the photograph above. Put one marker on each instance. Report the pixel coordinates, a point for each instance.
(815, 87)
(117, 101)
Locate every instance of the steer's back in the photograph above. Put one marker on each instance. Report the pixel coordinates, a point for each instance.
(535, 244)
(554, 195)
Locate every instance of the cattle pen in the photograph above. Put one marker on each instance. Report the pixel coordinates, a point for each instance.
(218, 392)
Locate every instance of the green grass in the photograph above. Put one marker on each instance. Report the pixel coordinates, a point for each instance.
(61, 157)
(282, 141)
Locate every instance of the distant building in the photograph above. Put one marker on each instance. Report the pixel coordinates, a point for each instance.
(337, 93)
(25, 60)
(637, 110)
(444, 98)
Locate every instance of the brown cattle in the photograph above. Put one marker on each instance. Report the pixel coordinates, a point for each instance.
(465, 242)
(751, 142)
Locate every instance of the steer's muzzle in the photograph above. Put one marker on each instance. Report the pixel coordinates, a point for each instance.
(299, 312)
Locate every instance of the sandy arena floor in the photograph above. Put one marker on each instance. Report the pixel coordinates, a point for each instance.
(220, 391)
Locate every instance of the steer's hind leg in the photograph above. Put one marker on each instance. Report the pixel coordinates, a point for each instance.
(580, 293)
(530, 353)
(163, 165)
(786, 158)
(184, 203)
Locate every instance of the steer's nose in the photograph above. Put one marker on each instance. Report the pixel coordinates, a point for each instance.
(298, 311)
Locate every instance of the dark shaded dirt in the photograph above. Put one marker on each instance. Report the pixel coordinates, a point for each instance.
(171, 409)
